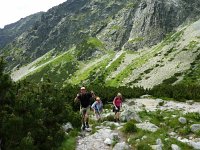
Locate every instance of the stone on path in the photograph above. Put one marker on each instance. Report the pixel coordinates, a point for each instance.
(175, 147)
(147, 126)
(121, 146)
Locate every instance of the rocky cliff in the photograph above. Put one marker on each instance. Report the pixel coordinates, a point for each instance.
(11, 31)
(118, 24)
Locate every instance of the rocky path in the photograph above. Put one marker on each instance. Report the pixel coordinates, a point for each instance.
(107, 135)
(102, 139)
(94, 141)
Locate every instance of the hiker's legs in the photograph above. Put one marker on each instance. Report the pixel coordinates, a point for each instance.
(117, 114)
(83, 114)
(86, 119)
(97, 116)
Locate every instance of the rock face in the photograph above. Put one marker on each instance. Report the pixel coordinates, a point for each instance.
(129, 114)
(195, 128)
(11, 31)
(118, 24)
(153, 19)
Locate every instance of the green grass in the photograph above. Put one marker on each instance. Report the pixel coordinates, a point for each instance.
(166, 124)
(80, 76)
(130, 5)
(96, 42)
(116, 27)
(193, 117)
(94, 124)
(192, 45)
(138, 62)
(129, 127)
(65, 63)
(47, 57)
(115, 64)
(136, 40)
(174, 37)
(70, 143)
(193, 74)
(58, 69)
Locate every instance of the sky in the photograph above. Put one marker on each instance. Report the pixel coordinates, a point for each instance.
(13, 10)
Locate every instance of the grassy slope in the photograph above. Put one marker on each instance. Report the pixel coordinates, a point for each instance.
(57, 69)
(66, 69)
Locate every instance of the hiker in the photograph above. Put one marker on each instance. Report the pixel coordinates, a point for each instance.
(97, 107)
(93, 99)
(117, 102)
(84, 98)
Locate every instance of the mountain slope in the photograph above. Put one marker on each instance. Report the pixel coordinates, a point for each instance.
(11, 31)
(118, 24)
(174, 60)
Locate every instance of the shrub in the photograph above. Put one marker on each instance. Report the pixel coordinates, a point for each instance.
(193, 116)
(130, 127)
(184, 131)
(143, 146)
(109, 118)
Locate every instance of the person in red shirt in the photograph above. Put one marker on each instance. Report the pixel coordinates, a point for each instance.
(117, 102)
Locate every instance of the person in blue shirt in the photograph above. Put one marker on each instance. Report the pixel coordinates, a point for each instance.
(97, 106)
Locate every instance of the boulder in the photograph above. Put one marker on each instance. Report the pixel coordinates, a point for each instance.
(190, 102)
(129, 114)
(146, 96)
(175, 147)
(114, 136)
(147, 126)
(121, 146)
(156, 147)
(195, 128)
(182, 120)
(108, 141)
(67, 127)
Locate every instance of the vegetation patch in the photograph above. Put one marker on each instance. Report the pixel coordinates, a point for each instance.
(57, 70)
(90, 73)
(130, 127)
(138, 62)
(87, 47)
(115, 27)
(174, 37)
(192, 76)
(167, 121)
(69, 141)
(47, 57)
(136, 40)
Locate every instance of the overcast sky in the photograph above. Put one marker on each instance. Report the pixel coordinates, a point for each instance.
(12, 10)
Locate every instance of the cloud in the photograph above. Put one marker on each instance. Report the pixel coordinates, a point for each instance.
(13, 10)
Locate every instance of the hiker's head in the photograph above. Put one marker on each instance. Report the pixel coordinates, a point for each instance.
(83, 90)
(119, 95)
(98, 99)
